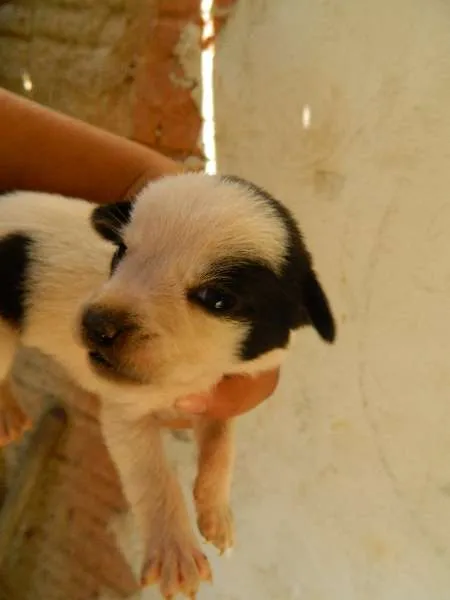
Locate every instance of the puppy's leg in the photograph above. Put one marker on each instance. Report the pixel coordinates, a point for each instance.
(13, 420)
(212, 486)
(172, 554)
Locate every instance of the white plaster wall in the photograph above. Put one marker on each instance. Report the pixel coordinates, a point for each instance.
(343, 478)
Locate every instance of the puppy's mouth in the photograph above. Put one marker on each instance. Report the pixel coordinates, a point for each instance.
(99, 360)
(108, 369)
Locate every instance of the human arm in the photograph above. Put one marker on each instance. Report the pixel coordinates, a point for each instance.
(43, 150)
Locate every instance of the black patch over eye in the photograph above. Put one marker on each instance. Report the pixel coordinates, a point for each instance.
(117, 256)
(213, 299)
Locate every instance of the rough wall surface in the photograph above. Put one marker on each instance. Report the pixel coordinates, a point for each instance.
(341, 109)
(166, 114)
(81, 57)
(113, 63)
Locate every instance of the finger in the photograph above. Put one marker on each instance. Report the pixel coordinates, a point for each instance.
(194, 404)
(239, 394)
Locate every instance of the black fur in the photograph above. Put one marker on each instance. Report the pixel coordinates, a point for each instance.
(108, 220)
(261, 301)
(15, 258)
(308, 302)
(118, 256)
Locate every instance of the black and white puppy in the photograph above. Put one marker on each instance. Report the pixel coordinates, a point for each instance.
(205, 276)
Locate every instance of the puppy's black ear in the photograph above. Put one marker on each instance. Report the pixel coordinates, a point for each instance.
(308, 303)
(318, 308)
(108, 220)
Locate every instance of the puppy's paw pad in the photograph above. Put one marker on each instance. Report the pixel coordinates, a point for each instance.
(178, 567)
(13, 423)
(216, 526)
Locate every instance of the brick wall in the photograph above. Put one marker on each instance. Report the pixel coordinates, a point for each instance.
(166, 114)
(81, 56)
(113, 63)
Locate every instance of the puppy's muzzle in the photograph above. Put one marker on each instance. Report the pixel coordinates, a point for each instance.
(105, 329)
(110, 336)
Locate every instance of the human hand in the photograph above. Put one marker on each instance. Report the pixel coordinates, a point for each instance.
(232, 396)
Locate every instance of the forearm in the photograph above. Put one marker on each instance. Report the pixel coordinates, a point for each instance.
(46, 151)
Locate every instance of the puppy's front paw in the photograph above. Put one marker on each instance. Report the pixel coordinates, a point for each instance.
(13, 422)
(178, 564)
(215, 523)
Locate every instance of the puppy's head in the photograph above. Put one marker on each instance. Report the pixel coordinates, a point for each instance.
(210, 276)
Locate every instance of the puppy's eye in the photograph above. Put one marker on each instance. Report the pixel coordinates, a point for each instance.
(117, 256)
(214, 299)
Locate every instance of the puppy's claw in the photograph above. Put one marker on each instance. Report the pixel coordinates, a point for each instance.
(178, 567)
(202, 564)
(216, 526)
(151, 574)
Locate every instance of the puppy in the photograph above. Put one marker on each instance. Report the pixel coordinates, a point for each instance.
(144, 302)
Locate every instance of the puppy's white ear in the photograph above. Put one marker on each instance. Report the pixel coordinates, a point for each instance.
(318, 308)
(108, 220)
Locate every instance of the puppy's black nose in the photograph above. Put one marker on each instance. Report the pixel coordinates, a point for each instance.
(102, 327)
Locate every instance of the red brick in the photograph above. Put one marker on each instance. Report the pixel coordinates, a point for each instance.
(165, 37)
(180, 8)
(156, 88)
(146, 125)
(165, 116)
(181, 126)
